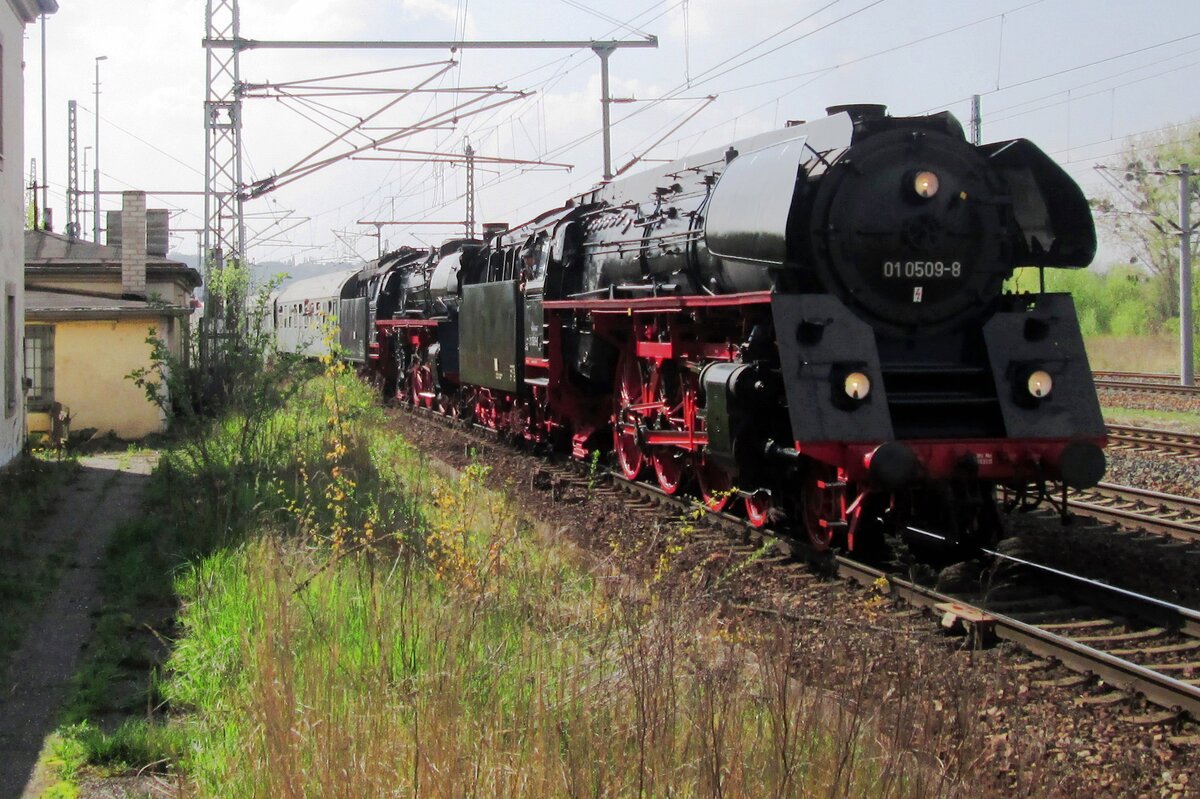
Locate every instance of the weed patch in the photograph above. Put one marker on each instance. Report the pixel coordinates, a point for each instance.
(28, 489)
(452, 653)
(1183, 421)
(351, 624)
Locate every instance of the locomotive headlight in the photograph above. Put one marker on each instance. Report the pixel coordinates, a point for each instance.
(1039, 384)
(925, 184)
(857, 385)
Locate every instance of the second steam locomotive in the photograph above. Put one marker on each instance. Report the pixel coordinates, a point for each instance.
(809, 325)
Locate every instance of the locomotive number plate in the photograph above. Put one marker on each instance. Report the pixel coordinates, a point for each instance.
(922, 269)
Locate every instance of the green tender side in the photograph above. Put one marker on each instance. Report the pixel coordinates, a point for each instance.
(491, 345)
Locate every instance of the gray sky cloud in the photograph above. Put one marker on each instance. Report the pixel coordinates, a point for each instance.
(1075, 77)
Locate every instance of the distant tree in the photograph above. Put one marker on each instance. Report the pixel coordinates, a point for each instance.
(1142, 209)
(1117, 302)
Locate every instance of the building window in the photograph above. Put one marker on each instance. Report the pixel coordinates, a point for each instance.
(10, 350)
(39, 367)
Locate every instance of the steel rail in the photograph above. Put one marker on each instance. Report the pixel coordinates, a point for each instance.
(1180, 530)
(1155, 439)
(1178, 617)
(1089, 502)
(1157, 687)
(1170, 501)
(1154, 377)
(1148, 388)
(1160, 689)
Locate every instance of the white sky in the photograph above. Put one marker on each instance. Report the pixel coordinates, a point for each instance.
(1074, 76)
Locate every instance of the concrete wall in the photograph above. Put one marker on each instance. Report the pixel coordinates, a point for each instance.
(12, 223)
(91, 361)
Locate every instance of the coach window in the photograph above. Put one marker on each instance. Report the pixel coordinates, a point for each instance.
(511, 259)
(541, 257)
(495, 267)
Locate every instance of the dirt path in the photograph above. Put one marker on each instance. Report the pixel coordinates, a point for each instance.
(107, 493)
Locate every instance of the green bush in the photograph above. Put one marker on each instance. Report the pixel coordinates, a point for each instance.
(1121, 301)
(132, 745)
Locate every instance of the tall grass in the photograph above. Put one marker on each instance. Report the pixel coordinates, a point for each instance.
(367, 683)
(1151, 353)
(393, 633)
(353, 625)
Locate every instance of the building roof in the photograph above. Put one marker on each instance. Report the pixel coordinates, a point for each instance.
(29, 10)
(56, 252)
(321, 286)
(43, 305)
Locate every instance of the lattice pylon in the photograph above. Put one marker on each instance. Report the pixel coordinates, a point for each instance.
(72, 172)
(470, 153)
(224, 225)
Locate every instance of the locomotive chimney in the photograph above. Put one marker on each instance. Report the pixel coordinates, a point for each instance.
(133, 244)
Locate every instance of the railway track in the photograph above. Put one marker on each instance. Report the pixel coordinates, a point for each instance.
(1147, 387)
(1132, 643)
(1129, 642)
(1152, 377)
(1152, 511)
(1154, 440)
(1135, 508)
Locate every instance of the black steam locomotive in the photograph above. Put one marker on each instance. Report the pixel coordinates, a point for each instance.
(809, 324)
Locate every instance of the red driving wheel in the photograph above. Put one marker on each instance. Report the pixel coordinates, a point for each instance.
(822, 505)
(421, 384)
(758, 508)
(630, 386)
(670, 462)
(716, 486)
(485, 409)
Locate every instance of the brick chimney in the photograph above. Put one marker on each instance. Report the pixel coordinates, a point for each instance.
(133, 244)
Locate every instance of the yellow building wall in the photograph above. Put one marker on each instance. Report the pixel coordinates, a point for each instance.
(91, 361)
